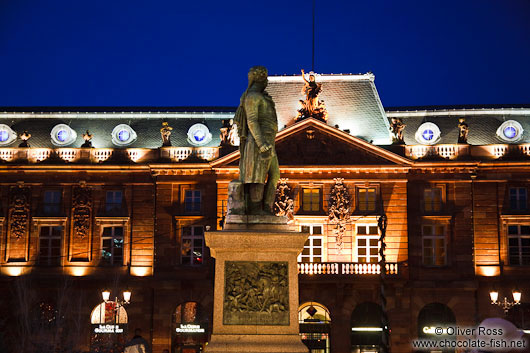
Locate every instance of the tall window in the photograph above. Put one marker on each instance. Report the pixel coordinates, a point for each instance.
(192, 200)
(113, 201)
(434, 245)
(112, 246)
(518, 199)
(432, 199)
(313, 247)
(192, 245)
(519, 244)
(52, 202)
(50, 245)
(366, 199)
(367, 243)
(311, 199)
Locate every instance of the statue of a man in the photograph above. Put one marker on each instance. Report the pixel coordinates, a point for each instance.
(257, 127)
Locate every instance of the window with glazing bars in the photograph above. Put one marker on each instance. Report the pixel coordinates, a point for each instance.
(313, 247)
(192, 245)
(311, 199)
(367, 243)
(434, 245)
(366, 199)
(519, 244)
(432, 199)
(50, 245)
(518, 199)
(112, 246)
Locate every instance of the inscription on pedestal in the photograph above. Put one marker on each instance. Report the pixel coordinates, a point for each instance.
(256, 293)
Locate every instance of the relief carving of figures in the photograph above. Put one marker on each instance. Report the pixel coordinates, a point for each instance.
(339, 209)
(82, 211)
(463, 130)
(397, 127)
(312, 107)
(19, 208)
(284, 203)
(229, 135)
(256, 293)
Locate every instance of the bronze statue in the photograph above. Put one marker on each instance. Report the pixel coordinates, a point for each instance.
(257, 126)
(463, 130)
(311, 107)
(397, 128)
(165, 131)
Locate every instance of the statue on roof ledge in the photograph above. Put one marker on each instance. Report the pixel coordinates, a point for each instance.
(165, 132)
(463, 130)
(397, 127)
(87, 137)
(311, 107)
(25, 136)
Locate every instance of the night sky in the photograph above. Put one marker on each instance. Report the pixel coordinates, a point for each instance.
(197, 53)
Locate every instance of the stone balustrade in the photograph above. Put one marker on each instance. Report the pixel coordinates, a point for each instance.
(345, 268)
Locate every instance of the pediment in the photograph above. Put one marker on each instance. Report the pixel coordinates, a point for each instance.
(312, 143)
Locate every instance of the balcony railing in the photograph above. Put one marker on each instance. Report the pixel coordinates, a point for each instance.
(345, 268)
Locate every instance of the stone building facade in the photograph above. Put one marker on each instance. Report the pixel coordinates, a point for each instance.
(118, 207)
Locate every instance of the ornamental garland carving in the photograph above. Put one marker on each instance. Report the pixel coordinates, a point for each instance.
(19, 208)
(284, 203)
(339, 209)
(82, 211)
(256, 293)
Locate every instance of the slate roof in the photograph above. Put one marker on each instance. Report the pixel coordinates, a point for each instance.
(483, 123)
(352, 103)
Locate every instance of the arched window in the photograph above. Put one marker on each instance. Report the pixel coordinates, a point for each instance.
(432, 317)
(190, 332)
(366, 328)
(315, 324)
(109, 327)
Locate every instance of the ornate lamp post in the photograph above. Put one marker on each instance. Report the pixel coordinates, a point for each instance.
(105, 294)
(505, 304)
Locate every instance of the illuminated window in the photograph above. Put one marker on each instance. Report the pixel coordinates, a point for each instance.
(432, 199)
(367, 240)
(112, 246)
(366, 199)
(123, 135)
(199, 135)
(311, 199)
(510, 131)
(192, 248)
(7, 135)
(192, 201)
(519, 244)
(113, 201)
(63, 135)
(434, 245)
(428, 134)
(50, 245)
(518, 199)
(313, 247)
(52, 202)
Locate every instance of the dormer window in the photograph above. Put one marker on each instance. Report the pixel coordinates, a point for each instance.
(510, 131)
(199, 135)
(428, 134)
(63, 135)
(7, 136)
(123, 135)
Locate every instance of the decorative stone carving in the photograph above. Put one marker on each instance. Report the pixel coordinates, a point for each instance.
(339, 209)
(397, 128)
(284, 203)
(82, 211)
(87, 136)
(165, 132)
(229, 133)
(463, 130)
(256, 293)
(312, 107)
(25, 136)
(19, 208)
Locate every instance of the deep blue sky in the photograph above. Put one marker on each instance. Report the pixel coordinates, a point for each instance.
(197, 53)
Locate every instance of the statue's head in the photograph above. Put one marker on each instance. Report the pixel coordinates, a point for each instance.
(258, 74)
(312, 78)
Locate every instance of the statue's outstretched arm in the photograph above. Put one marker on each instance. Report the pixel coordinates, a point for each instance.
(303, 76)
(252, 103)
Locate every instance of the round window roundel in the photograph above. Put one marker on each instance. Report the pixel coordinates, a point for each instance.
(428, 134)
(7, 135)
(199, 135)
(123, 135)
(510, 131)
(63, 135)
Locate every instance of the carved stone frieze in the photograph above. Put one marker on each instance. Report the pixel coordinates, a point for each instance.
(19, 209)
(256, 293)
(284, 203)
(82, 211)
(339, 209)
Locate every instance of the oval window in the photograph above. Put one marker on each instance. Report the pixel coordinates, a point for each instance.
(123, 135)
(510, 131)
(7, 135)
(199, 135)
(428, 134)
(63, 135)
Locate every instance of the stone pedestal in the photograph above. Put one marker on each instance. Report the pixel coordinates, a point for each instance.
(256, 290)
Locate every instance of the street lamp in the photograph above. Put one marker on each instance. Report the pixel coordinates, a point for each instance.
(105, 294)
(505, 304)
